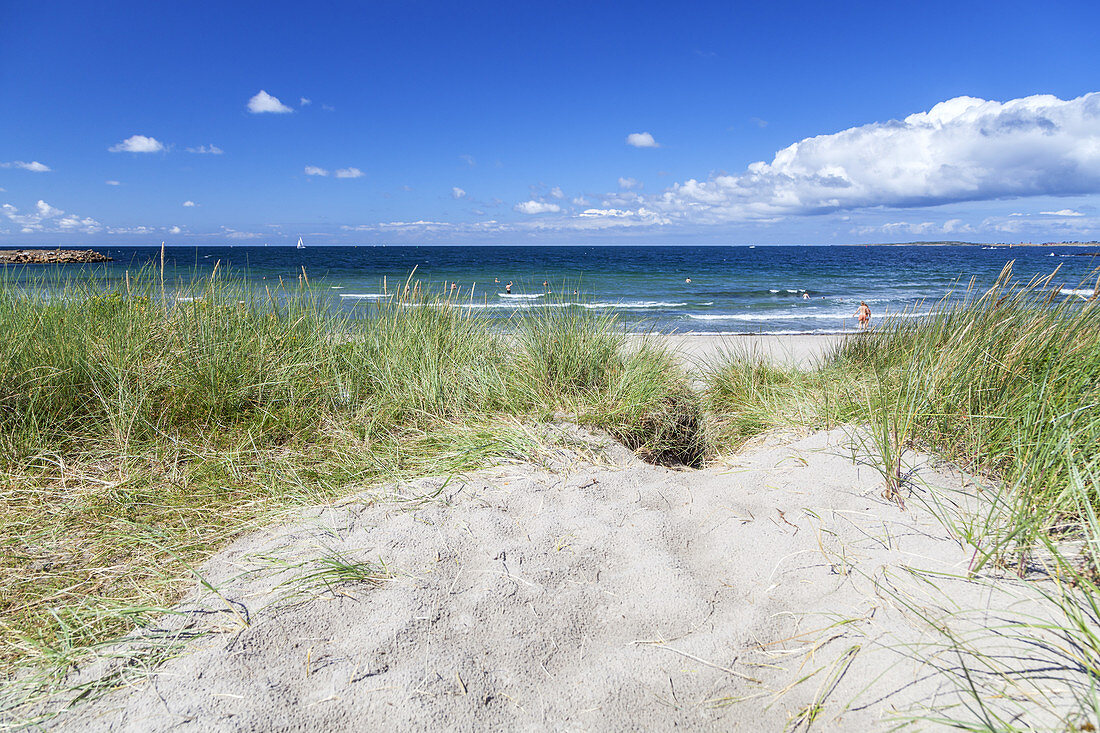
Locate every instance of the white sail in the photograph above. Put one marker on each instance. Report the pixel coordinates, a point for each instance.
(300, 245)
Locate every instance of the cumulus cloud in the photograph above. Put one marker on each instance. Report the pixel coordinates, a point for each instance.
(189, 204)
(312, 170)
(206, 150)
(629, 183)
(557, 193)
(1062, 212)
(304, 102)
(641, 140)
(963, 149)
(138, 144)
(264, 102)
(33, 166)
(457, 193)
(536, 207)
(47, 218)
(113, 183)
(174, 230)
(348, 173)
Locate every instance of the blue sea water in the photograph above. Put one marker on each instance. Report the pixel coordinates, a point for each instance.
(731, 289)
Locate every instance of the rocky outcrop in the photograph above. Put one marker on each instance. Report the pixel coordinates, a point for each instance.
(46, 256)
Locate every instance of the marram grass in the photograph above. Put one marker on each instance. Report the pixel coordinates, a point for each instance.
(141, 431)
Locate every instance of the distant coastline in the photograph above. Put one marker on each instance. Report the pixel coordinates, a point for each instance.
(984, 244)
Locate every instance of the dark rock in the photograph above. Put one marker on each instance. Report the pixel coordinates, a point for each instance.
(50, 256)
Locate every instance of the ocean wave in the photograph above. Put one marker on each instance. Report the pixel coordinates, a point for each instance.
(632, 304)
(521, 295)
(781, 332)
(787, 316)
(366, 296)
(510, 306)
(1083, 292)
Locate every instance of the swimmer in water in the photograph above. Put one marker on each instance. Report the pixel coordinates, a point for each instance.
(508, 287)
(805, 296)
(687, 280)
(863, 313)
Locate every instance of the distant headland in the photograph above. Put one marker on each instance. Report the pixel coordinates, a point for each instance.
(951, 243)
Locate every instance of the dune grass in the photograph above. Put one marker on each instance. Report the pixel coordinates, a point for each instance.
(1006, 384)
(1003, 382)
(141, 431)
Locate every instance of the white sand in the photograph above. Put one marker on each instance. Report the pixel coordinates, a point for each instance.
(604, 594)
(800, 350)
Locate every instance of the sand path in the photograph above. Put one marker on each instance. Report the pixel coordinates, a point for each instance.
(597, 594)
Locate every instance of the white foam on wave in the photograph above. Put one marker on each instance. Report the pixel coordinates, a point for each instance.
(1083, 292)
(511, 306)
(632, 304)
(787, 316)
(783, 332)
(521, 295)
(366, 296)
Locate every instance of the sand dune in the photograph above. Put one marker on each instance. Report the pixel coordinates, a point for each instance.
(593, 592)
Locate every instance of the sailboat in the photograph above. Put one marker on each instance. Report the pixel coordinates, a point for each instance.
(300, 245)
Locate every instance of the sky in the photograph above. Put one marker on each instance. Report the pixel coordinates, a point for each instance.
(548, 123)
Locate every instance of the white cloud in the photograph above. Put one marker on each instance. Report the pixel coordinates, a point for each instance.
(328, 108)
(33, 166)
(608, 218)
(206, 150)
(304, 102)
(189, 204)
(45, 210)
(557, 193)
(581, 201)
(641, 140)
(1062, 212)
(536, 207)
(629, 183)
(264, 102)
(758, 122)
(113, 183)
(468, 160)
(312, 170)
(46, 218)
(138, 144)
(963, 149)
(174, 230)
(457, 193)
(348, 173)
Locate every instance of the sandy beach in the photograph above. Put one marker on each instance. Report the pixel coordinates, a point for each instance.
(586, 591)
(801, 350)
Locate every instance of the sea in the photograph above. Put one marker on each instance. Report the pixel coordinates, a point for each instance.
(698, 289)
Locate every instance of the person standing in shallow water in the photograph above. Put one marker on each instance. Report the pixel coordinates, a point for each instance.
(508, 287)
(863, 313)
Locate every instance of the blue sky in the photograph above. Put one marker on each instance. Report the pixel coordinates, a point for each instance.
(548, 123)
